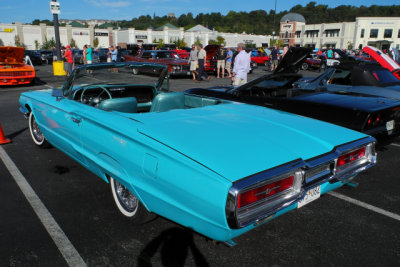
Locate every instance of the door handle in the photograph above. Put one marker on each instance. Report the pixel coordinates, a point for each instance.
(76, 120)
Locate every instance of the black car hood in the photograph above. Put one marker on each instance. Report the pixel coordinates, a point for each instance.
(293, 59)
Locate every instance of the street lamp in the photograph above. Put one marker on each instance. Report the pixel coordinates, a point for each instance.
(55, 10)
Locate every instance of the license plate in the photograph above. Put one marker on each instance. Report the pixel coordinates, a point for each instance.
(390, 125)
(310, 196)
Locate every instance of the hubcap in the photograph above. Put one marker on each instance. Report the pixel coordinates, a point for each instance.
(36, 131)
(125, 197)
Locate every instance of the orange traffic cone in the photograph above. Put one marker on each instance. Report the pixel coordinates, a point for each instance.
(3, 139)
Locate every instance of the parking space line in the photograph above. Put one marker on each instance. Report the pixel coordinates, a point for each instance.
(365, 205)
(394, 144)
(62, 242)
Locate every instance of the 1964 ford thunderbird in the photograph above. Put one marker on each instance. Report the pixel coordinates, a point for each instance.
(215, 166)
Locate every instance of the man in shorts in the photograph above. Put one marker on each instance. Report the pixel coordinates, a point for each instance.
(221, 55)
(274, 58)
(69, 60)
(228, 61)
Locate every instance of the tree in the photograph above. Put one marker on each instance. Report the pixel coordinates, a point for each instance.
(160, 43)
(47, 45)
(180, 43)
(72, 43)
(197, 42)
(220, 40)
(96, 42)
(17, 42)
(349, 45)
(37, 44)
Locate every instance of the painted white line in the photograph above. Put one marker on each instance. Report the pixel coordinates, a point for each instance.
(365, 205)
(396, 145)
(62, 242)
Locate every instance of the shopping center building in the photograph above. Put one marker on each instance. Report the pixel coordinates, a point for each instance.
(32, 36)
(381, 32)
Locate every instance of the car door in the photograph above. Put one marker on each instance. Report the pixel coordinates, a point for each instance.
(60, 122)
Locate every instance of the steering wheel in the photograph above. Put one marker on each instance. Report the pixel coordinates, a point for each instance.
(94, 101)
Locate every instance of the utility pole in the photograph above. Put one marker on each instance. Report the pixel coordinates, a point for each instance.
(273, 25)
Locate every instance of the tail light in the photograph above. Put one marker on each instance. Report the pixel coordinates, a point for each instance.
(265, 191)
(356, 158)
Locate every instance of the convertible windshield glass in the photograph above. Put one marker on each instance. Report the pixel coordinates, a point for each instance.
(118, 74)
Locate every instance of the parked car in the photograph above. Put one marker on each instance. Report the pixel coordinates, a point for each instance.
(35, 56)
(137, 136)
(313, 62)
(176, 65)
(46, 56)
(13, 69)
(384, 60)
(260, 58)
(372, 115)
(355, 76)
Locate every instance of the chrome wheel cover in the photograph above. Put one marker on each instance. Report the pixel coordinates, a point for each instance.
(125, 197)
(36, 132)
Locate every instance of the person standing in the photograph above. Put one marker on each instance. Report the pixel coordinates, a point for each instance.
(274, 58)
(221, 55)
(89, 59)
(114, 54)
(68, 58)
(193, 61)
(84, 54)
(119, 54)
(202, 63)
(228, 62)
(329, 53)
(241, 66)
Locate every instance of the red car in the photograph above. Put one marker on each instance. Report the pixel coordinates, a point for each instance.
(260, 58)
(383, 59)
(13, 69)
(176, 65)
(311, 63)
(183, 54)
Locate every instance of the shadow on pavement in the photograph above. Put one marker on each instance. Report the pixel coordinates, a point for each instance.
(174, 245)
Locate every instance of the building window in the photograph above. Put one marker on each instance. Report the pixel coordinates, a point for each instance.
(312, 33)
(298, 33)
(373, 33)
(362, 33)
(332, 33)
(388, 33)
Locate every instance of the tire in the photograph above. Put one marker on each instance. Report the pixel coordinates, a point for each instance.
(37, 136)
(304, 66)
(128, 204)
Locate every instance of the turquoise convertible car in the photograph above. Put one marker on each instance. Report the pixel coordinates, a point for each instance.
(218, 167)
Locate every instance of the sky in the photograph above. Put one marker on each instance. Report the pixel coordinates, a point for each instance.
(26, 11)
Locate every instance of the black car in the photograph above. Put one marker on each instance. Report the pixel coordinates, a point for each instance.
(364, 113)
(46, 56)
(35, 56)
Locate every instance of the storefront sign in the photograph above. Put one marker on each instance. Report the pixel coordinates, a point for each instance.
(101, 34)
(80, 33)
(287, 27)
(141, 36)
(7, 29)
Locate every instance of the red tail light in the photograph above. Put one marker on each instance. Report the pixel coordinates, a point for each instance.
(350, 157)
(264, 191)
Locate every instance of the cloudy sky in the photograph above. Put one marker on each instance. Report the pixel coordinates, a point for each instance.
(26, 11)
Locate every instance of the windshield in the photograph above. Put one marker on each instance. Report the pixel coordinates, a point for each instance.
(118, 74)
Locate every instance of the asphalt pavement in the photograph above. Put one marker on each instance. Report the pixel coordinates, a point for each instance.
(354, 227)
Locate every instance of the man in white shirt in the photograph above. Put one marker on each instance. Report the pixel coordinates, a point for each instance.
(241, 66)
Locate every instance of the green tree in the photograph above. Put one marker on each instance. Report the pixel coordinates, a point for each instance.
(47, 45)
(160, 43)
(220, 40)
(37, 44)
(197, 42)
(72, 43)
(96, 42)
(18, 42)
(180, 43)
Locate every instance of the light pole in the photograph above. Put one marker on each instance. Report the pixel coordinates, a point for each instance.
(55, 9)
(273, 25)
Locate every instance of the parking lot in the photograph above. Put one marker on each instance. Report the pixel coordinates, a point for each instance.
(56, 213)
